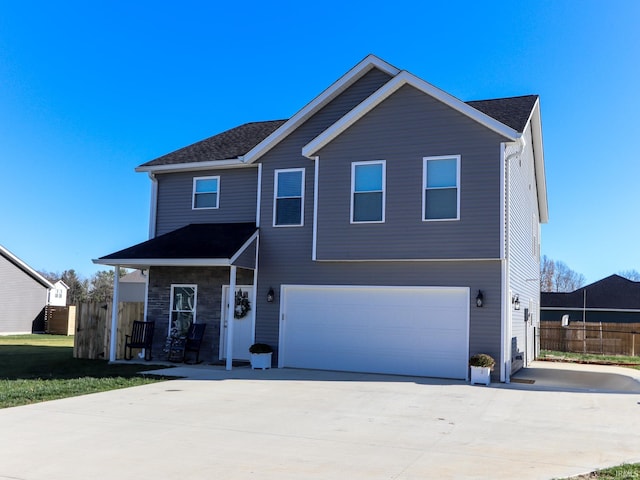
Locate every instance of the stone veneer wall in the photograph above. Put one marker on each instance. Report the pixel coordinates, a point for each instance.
(208, 302)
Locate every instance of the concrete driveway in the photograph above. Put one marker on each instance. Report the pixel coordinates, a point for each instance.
(297, 424)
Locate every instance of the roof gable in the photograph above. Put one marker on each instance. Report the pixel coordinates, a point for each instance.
(393, 85)
(339, 86)
(612, 292)
(24, 267)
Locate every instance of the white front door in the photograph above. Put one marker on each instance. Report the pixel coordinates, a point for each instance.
(243, 328)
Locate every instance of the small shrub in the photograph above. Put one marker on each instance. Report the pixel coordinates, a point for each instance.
(260, 348)
(482, 360)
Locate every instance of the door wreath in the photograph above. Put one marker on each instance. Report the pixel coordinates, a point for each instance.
(242, 305)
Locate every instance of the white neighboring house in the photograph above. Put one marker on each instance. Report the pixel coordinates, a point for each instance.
(57, 296)
(133, 287)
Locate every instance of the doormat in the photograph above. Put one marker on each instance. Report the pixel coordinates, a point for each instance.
(522, 380)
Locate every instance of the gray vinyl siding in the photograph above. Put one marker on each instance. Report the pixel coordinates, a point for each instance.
(285, 253)
(237, 198)
(402, 130)
(22, 298)
(523, 254)
(279, 267)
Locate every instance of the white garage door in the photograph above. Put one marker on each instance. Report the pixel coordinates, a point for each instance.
(420, 331)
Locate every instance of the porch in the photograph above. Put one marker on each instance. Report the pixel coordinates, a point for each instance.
(193, 275)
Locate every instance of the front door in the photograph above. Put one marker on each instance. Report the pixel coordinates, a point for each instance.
(243, 327)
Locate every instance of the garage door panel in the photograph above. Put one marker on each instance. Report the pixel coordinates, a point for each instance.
(402, 330)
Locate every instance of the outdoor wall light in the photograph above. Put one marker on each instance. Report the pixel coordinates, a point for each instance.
(516, 302)
(479, 299)
(271, 295)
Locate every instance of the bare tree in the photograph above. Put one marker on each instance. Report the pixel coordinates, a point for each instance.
(547, 268)
(556, 276)
(632, 275)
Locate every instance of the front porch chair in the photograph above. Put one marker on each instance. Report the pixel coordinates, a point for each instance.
(141, 337)
(194, 340)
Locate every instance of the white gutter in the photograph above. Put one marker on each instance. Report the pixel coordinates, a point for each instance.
(194, 166)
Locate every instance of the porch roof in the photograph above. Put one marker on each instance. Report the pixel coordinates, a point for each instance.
(196, 245)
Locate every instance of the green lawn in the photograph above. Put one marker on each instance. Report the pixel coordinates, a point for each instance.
(621, 472)
(37, 368)
(622, 360)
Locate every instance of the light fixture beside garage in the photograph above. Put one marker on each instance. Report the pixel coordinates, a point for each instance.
(516, 302)
(479, 299)
(271, 295)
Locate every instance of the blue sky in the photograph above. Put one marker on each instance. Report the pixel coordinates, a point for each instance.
(90, 90)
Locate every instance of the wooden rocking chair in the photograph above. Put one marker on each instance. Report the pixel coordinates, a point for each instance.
(194, 340)
(141, 337)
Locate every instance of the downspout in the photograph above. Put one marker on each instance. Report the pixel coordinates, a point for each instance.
(315, 208)
(506, 354)
(153, 207)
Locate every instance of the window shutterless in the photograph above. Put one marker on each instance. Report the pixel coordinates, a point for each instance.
(206, 192)
(368, 191)
(441, 188)
(288, 200)
(183, 309)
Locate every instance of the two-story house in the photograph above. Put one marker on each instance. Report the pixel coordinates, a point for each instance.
(386, 227)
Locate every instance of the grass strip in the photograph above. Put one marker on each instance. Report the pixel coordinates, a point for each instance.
(38, 368)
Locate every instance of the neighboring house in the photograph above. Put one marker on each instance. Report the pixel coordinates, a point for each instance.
(23, 296)
(363, 231)
(132, 287)
(613, 299)
(58, 294)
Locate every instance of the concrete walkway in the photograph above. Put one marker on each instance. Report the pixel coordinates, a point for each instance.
(297, 424)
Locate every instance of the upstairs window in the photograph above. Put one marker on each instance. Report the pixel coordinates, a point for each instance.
(206, 192)
(441, 183)
(367, 191)
(289, 197)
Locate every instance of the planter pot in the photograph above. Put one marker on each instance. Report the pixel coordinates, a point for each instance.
(261, 360)
(480, 375)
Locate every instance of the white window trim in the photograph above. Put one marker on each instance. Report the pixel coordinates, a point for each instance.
(193, 195)
(384, 189)
(424, 188)
(275, 196)
(195, 302)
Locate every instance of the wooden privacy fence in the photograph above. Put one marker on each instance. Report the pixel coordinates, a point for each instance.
(93, 328)
(60, 320)
(591, 337)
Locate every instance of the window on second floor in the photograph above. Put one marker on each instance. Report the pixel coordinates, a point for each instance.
(441, 188)
(288, 203)
(367, 191)
(206, 192)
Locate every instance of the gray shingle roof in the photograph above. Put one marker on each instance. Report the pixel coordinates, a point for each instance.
(196, 240)
(513, 112)
(227, 145)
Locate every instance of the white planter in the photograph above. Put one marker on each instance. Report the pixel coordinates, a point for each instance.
(480, 375)
(261, 360)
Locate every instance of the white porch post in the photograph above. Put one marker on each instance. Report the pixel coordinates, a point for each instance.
(230, 315)
(114, 315)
